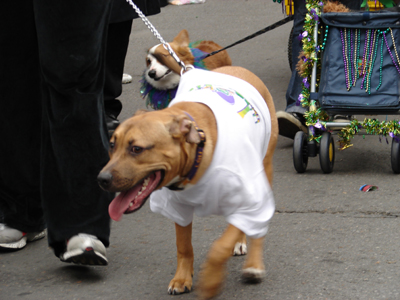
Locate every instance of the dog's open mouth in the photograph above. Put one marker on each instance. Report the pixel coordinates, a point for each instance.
(134, 198)
(161, 77)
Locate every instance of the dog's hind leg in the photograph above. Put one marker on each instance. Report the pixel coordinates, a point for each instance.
(253, 269)
(240, 246)
(183, 279)
(213, 270)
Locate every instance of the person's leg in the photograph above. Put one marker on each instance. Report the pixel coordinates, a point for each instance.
(290, 121)
(117, 47)
(20, 123)
(295, 84)
(72, 39)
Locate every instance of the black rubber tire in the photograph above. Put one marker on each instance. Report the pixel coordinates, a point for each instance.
(327, 152)
(290, 47)
(395, 156)
(300, 152)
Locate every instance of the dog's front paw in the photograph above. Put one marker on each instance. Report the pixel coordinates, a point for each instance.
(210, 280)
(253, 275)
(180, 286)
(240, 249)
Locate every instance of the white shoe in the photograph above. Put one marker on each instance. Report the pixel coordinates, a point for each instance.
(85, 249)
(126, 78)
(11, 238)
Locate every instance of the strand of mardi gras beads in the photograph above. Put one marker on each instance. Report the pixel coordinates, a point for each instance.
(390, 52)
(325, 37)
(366, 57)
(371, 57)
(394, 45)
(364, 54)
(366, 49)
(355, 58)
(381, 63)
(347, 60)
(344, 55)
(350, 58)
(356, 53)
(371, 51)
(374, 51)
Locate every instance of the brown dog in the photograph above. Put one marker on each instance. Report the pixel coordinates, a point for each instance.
(155, 150)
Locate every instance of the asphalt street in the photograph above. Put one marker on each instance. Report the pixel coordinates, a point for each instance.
(327, 240)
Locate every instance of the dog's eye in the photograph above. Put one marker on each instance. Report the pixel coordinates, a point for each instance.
(112, 145)
(136, 150)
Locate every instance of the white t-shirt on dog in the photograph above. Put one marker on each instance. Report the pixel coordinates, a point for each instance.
(235, 184)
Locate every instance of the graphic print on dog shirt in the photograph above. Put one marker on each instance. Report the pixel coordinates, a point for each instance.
(235, 184)
(229, 96)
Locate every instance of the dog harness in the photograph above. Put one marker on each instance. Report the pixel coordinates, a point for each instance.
(235, 184)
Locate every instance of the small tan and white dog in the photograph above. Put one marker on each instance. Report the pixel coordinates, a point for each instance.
(209, 152)
(162, 74)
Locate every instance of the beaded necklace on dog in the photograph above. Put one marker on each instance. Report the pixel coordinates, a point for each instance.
(159, 99)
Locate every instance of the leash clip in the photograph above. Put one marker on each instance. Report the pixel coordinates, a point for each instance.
(174, 56)
(188, 68)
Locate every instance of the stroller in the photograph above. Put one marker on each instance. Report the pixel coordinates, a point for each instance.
(358, 74)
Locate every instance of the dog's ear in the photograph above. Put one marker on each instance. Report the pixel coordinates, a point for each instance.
(182, 126)
(140, 112)
(182, 38)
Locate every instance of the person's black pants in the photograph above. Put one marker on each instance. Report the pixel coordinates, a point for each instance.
(117, 47)
(52, 123)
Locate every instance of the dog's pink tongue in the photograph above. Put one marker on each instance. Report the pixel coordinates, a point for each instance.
(121, 203)
(131, 200)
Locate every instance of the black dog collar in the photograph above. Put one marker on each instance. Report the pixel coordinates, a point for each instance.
(177, 186)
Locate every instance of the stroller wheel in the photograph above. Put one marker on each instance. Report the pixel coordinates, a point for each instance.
(395, 156)
(327, 152)
(300, 152)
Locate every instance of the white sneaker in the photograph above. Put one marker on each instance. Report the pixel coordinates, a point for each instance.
(15, 239)
(85, 249)
(126, 78)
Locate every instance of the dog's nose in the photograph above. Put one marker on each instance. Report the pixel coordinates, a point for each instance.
(152, 73)
(104, 179)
